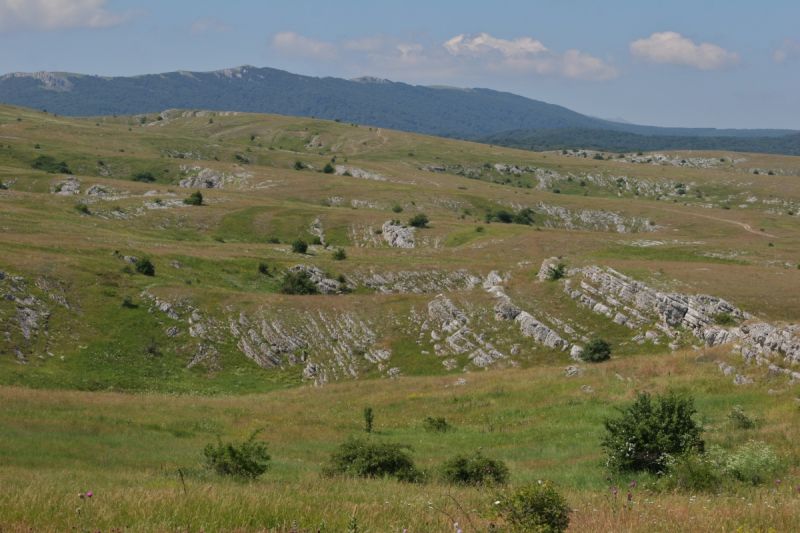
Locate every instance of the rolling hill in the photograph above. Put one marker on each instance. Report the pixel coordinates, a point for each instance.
(175, 278)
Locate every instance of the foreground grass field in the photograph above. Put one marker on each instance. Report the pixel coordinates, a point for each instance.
(141, 454)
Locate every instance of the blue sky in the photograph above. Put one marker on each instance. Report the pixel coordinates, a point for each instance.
(716, 63)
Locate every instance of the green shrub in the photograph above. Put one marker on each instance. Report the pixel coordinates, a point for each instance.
(436, 424)
(339, 254)
(725, 319)
(651, 430)
(196, 198)
(556, 272)
(754, 463)
(693, 472)
(474, 470)
(596, 350)
(299, 246)
(362, 458)
(299, 165)
(536, 507)
(369, 418)
(273, 240)
(247, 460)
(263, 268)
(144, 177)
(397, 208)
(523, 216)
(328, 169)
(144, 266)
(50, 165)
(82, 209)
(739, 419)
(419, 220)
(298, 283)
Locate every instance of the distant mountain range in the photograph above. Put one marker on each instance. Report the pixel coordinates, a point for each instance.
(473, 114)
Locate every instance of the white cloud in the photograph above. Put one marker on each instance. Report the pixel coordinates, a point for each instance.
(463, 56)
(56, 14)
(526, 54)
(673, 48)
(484, 43)
(787, 51)
(292, 43)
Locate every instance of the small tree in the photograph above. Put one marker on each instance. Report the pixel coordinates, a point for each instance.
(328, 169)
(420, 220)
(650, 431)
(247, 460)
(596, 351)
(536, 507)
(369, 418)
(196, 198)
(144, 266)
(299, 246)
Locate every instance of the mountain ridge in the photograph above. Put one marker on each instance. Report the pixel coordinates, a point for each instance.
(464, 113)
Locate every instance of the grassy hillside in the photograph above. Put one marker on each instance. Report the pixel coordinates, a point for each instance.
(114, 379)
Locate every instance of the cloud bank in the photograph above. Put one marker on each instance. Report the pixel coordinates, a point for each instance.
(670, 47)
(462, 54)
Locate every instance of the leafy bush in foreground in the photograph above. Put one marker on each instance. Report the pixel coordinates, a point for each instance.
(247, 460)
(474, 470)
(363, 458)
(650, 431)
(754, 463)
(537, 507)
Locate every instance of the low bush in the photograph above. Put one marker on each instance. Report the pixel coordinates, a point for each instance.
(144, 266)
(263, 268)
(144, 177)
(725, 319)
(298, 283)
(753, 463)
(50, 165)
(596, 350)
(739, 419)
(474, 470)
(364, 458)
(299, 246)
(536, 507)
(397, 208)
(246, 460)
(196, 198)
(339, 254)
(436, 424)
(420, 220)
(650, 431)
(556, 272)
(693, 472)
(328, 169)
(82, 209)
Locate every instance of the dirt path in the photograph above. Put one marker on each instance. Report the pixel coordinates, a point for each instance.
(747, 227)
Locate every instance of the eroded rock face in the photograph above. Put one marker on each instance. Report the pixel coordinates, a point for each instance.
(343, 170)
(451, 331)
(397, 235)
(205, 178)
